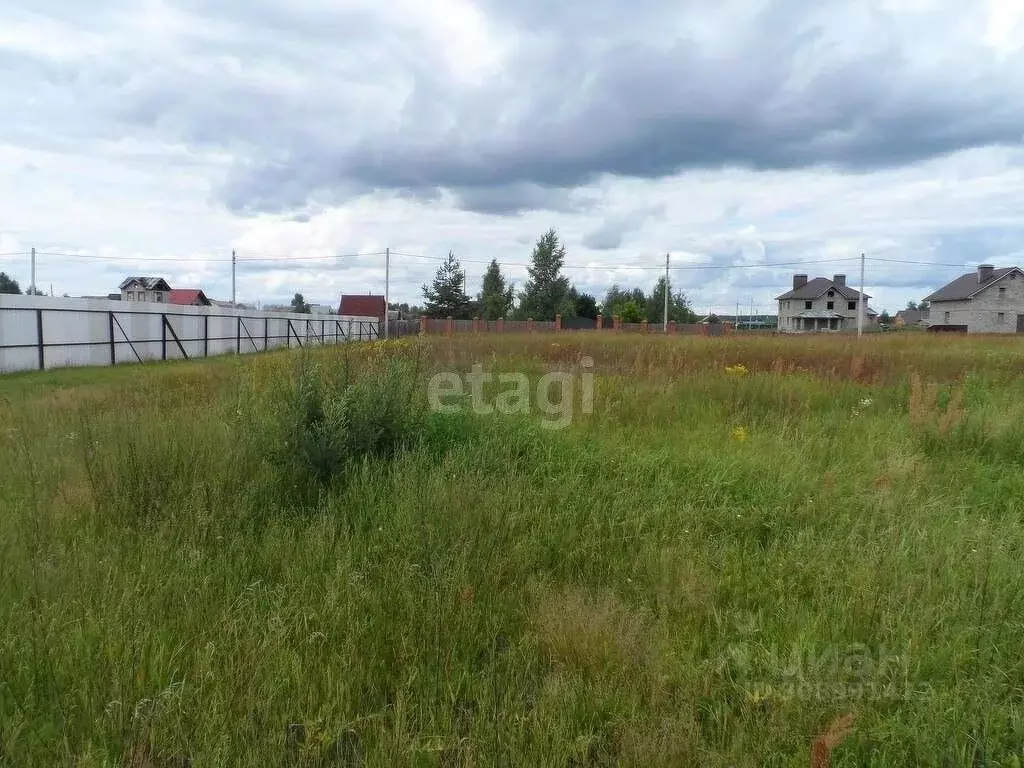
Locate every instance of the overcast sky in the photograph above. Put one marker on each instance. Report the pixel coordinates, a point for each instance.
(161, 134)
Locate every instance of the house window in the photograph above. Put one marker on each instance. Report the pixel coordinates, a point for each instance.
(159, 297)
(808, 304)
(831, 305)
(1001, 318)
(831, 293)
(1002, 292)
(945, 317)
(851, 305)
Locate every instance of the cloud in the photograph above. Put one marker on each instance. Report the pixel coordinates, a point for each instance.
(735, 133)
(796, 85)
(614, 229)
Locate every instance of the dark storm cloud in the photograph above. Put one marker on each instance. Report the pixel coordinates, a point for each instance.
(781, 95)
(519, 197)
(315, 104)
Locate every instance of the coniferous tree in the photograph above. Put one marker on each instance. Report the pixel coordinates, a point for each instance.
(546, 293)
(496, 296)
(446, 296)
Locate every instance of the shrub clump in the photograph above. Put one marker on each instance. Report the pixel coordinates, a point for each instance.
(327, 423)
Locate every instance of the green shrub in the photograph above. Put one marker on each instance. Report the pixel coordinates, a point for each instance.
(327, 423)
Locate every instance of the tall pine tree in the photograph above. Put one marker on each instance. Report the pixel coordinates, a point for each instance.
(546, 293)
(446, 297)
(495, 298)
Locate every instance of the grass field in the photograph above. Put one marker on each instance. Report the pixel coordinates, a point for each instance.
(289, 560)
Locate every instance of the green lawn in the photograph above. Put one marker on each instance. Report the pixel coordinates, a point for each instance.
(240, 563)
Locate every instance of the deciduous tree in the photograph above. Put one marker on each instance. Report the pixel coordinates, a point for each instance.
(678, 306)
(8, 284)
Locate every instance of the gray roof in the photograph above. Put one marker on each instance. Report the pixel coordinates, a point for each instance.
(817, 287)
(912, 316)
(149, 283)
(965, 286)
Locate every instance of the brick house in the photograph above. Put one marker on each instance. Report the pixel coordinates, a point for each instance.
(988, 300)
(821, 305)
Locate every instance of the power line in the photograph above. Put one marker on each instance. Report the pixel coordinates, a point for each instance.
(179, 259)
(285, 259)
(606, 267)
(919, 263)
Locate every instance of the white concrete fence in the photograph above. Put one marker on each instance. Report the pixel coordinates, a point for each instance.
(40, 332)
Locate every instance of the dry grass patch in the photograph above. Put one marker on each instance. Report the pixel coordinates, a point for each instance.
(591, 631)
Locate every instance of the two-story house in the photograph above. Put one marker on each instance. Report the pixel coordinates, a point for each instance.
(821, 305)
(151, 289)
(989, 300)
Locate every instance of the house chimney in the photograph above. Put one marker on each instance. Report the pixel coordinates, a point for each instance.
(799, 281)
(839, 280)
(984, 273)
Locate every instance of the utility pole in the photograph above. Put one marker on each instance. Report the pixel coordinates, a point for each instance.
(751, 326)
(233, 261)
(860, 303)
(387, 291)
(33, 287)
(665, 318)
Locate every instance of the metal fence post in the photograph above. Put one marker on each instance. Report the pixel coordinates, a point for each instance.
(266, 333)
(39, 333)
(163, 336)
(206, 335)
(113, 348)
(238, 336)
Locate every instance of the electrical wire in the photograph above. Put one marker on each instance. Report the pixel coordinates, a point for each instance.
(244, 257)
(655, 267)
(917, 263)
(179, 259)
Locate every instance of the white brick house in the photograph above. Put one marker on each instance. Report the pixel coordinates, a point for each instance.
(988, 300)
(821, 305)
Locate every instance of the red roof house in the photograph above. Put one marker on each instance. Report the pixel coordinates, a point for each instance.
(362, 306)
(188, 297)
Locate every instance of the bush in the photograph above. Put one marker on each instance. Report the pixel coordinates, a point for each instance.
(328, 423)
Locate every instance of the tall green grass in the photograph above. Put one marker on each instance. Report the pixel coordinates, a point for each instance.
(287, 561)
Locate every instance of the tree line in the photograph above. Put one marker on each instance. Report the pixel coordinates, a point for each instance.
(10, 286)
(546, 293)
